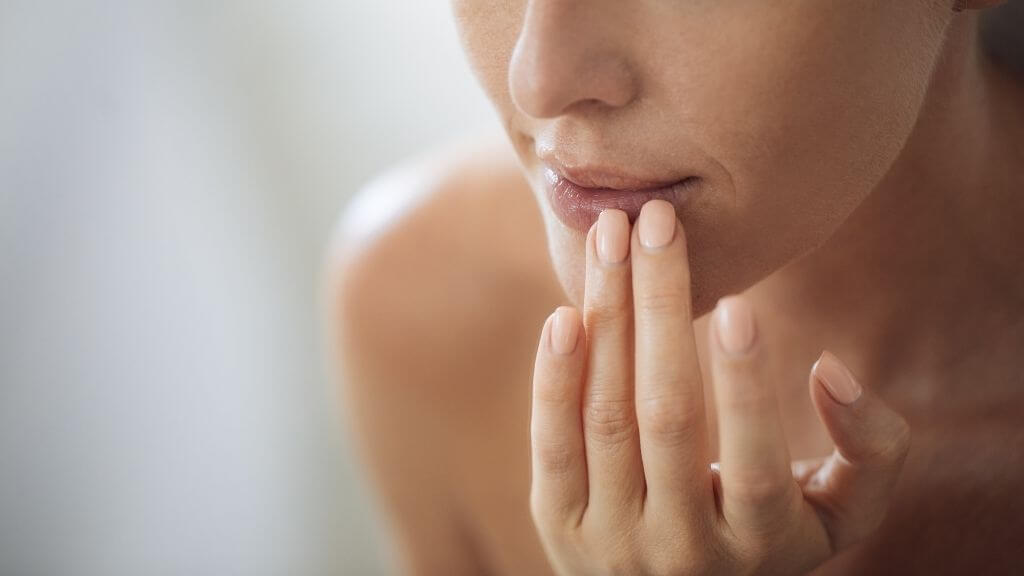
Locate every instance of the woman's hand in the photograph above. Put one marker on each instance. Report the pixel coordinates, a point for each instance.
(622, 482)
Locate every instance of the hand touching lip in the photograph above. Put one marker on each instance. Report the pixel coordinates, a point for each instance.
(578, 196)
(622, 479)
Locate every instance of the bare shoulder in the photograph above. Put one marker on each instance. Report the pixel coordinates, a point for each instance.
(443, 253)
(439, 284)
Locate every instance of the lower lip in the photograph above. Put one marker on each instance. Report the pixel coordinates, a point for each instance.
(578, 207)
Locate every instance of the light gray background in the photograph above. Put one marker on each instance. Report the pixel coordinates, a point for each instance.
(169, 174)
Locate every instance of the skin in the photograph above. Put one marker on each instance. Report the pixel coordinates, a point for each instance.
(868, 219)
(624, 485)
(819, 101)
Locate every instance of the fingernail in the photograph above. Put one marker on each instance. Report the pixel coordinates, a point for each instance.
(612, 236)
(565, 329)
(736, 330)
(837, 379)
(657, 223)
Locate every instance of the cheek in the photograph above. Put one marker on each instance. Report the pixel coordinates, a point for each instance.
(566, 248)
(816, 108)
(804, 107)
(568, 255)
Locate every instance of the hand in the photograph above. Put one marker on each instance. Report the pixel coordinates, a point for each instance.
(622, 482)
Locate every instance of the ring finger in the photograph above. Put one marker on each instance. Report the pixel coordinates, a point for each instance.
(609, 416)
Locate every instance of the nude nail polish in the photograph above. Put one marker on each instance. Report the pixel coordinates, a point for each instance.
(836, 378)
(612, 236)
(657, 224)
(736, 330)
(565, 329)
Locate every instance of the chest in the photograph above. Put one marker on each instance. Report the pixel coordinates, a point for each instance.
(958, 508)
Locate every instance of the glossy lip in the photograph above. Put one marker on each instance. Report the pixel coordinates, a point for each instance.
(578, 196)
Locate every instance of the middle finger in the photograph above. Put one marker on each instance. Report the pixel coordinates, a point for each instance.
(669, 391)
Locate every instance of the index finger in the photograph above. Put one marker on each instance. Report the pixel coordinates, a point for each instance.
(669, 391)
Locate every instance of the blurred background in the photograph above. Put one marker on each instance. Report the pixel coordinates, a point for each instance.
(170, 171)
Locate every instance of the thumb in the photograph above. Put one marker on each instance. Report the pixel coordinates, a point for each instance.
(852, 489)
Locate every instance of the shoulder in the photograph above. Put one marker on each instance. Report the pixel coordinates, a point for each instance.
(437, 250)
(439, 282)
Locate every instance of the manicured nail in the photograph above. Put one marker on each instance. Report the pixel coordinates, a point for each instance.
(612, 236)
(836, 378)
(736, 330)
(565, 329)
(657, 223)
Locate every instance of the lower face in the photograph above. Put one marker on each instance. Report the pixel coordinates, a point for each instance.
(765, 123)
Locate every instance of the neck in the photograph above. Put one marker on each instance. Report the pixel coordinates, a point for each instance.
(927, 272)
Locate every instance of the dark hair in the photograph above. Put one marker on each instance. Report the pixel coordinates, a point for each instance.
(1003, 34)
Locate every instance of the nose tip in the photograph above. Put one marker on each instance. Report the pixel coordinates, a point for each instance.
(562, 62)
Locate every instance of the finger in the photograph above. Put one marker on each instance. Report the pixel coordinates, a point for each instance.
(854, 486)
(756, 477)
(609, 413)
(558, 494)
(669, 394)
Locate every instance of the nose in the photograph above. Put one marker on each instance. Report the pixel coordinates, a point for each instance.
(567, 56)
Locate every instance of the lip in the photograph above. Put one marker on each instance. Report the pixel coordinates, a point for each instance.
(579, 195)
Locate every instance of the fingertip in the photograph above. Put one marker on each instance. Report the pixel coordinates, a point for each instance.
(862, 425)
(612, 237)
(564, 330)
(836, 379)
(735, 326)
(559, 364)
(657, 224)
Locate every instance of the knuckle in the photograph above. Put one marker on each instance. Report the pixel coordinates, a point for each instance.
(610, 420)
(670, 419)
(666, 301)
(605, 314)
(556, 457)
(757, 492)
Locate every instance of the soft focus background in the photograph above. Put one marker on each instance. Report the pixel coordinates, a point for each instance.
(170, 171)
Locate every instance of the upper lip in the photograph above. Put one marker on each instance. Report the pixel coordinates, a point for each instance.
(602, 176)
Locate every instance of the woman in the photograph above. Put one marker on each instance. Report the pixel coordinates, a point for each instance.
(851, 172)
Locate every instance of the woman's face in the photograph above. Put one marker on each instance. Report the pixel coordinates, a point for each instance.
(765, 122)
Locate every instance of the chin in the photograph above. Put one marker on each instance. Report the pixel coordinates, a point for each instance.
(567, 249)
(731, 246)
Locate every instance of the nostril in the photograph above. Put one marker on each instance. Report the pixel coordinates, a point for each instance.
(554, 85)
(591, 104)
